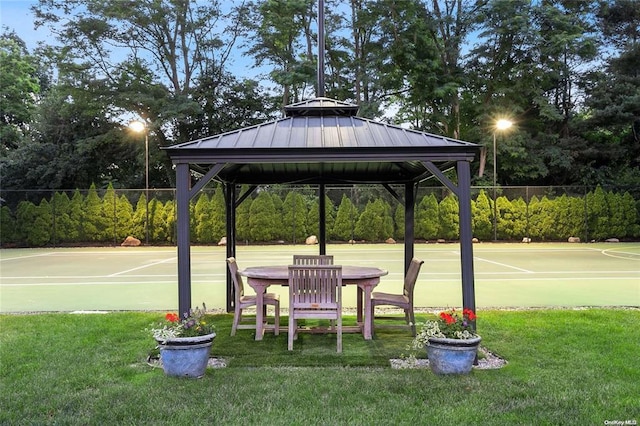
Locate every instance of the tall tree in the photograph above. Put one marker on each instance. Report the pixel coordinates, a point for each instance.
(147, 54)
(612, 125)
(263, 219)
(283, 40)
(346, 219)
(426, 39)
(528, 62)
(294, 217)
(19, 86)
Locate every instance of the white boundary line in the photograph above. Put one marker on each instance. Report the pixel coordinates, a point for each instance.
(108, 283)
(503, 264)
(485, 282)
(633, 256)
(6, 259)
(142, 267)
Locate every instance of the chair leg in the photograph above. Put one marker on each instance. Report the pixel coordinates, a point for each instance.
(339, 335)
(412, 320)
(277, 320)
(373, 318)
(292, 331)
(236, 320)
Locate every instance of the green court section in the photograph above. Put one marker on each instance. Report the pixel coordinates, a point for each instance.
(145, 278)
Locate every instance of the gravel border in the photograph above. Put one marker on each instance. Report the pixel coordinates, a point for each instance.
(490, 361)
(156, 362)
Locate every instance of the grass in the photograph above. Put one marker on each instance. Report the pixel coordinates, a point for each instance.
(565, 367)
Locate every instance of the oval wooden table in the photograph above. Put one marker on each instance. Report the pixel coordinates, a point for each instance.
(364, 277)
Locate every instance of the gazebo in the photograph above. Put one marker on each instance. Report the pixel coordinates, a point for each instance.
(322, 142)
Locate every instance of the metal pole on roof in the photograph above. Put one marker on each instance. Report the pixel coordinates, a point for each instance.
(321, 47)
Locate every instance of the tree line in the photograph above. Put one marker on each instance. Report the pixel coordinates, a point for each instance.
(564, 71)
(291, 215)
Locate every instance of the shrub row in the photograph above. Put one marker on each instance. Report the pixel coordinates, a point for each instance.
(267, 217)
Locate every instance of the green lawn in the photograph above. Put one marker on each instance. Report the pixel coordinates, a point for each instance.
(569, 367)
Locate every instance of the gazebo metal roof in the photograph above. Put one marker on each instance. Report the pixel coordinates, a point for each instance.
(322, 141)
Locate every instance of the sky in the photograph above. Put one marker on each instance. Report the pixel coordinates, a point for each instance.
(16, 16)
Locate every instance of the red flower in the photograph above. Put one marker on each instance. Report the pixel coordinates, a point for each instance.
(449, 319)
(469, 314)
(172, 317)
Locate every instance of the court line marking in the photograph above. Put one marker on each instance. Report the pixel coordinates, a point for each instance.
(575, 272)
(632, 256)
(504, 265)
(90, 277)
(600, 274)
(222, 284)
(142, 267)
(25, 257)
(102, 283)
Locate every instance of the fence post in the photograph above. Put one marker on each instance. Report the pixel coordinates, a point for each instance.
(586, 215)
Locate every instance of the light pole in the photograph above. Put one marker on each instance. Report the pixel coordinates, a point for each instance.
(139, 126)
(501, 125)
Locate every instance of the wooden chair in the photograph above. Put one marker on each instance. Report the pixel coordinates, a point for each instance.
(404, 300)
(243, 301)
(315, 292)
(303, 259)
(314, 259)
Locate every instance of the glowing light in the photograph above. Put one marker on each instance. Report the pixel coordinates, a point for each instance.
(137, 126)
(503, 124)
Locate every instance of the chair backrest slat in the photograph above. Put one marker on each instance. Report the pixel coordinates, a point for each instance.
(304, 259)
(412, 277)
(315, 286)
(236, 277)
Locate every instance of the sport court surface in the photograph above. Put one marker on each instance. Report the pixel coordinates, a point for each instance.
(145, 278)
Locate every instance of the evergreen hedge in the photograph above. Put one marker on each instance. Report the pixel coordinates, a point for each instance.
(106, 217)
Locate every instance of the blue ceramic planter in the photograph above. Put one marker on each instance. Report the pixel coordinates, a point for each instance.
(186, 356)
(452, 356)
